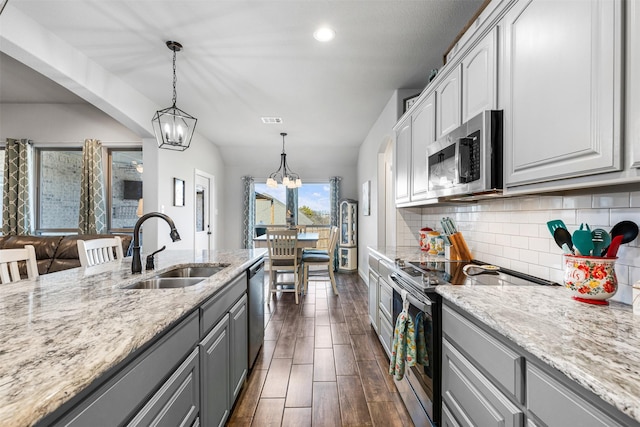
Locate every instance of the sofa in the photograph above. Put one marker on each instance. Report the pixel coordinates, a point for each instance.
(56, 253)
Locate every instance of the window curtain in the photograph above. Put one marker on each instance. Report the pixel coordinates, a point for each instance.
(334, 194)
(292, 204)
(93, 209)
(248, 211)
(16, 192)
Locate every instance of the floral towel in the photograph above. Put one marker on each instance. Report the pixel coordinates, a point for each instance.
(404, 345)
(422, 355)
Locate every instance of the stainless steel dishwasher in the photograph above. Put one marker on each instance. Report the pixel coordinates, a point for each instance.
(255, 293)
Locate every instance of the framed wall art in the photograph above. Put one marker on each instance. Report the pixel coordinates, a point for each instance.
(366, 198)
(408, 102)
(178, 192)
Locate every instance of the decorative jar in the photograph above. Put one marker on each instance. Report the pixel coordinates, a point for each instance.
(591, 279)
(424, 240)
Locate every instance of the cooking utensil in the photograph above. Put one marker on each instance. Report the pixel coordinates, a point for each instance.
(627, 229)
(601, 240)
(563, 238)
(554, 224)
(614, 246)
(480, 269)
(582, 240)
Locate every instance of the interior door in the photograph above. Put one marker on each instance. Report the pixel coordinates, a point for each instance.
(203, 206)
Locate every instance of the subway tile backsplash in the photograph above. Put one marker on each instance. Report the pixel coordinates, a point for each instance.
(512, 232)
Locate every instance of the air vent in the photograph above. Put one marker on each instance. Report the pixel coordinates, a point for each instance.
(272, 120)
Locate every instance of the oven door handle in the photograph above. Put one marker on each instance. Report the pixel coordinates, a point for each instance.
(420, 305)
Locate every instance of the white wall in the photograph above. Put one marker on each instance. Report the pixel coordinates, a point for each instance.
(260, 167)
(512, 232)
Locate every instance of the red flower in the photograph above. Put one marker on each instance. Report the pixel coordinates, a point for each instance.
(608, 287)
(584, 290)
(584, 268)
(599, 272)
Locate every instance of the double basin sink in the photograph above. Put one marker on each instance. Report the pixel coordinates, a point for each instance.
(180, 277)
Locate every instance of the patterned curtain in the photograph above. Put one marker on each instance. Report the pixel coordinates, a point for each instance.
(248, 211)
(334, 194)
(93, 210)
(292, 203)
(16, 193)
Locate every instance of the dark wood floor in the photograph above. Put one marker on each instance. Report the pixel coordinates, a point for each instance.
(321, 364)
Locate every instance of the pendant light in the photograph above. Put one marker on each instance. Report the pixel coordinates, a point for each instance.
(284, 175)
(172, 126)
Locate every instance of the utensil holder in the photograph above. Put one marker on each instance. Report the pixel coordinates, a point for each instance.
(460, 245)
(591, 279)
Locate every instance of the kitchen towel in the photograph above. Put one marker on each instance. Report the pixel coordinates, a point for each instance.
(422, 353)
(404, 344)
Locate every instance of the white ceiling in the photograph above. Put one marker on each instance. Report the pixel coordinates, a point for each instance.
(247, 59)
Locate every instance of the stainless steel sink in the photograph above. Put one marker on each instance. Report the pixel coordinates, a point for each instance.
(166, 282)
(203, 271)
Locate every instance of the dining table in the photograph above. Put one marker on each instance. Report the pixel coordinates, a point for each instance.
(305, 240)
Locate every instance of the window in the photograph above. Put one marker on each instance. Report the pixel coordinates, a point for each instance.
(58, 199)
(314, 204)
(125, 173)
(271, 205)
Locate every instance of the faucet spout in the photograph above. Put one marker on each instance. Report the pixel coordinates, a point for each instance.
(136, 264)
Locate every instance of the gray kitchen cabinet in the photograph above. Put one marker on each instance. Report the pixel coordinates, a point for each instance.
(447, 419)
(373, 292)
(632, 117)
(479, 77)
(118, 399)
(402, 160)
(561, 89)
(215, 366)
(557, 405)
(423, 133)
(239, 349)
(449, 111)
(178, 400)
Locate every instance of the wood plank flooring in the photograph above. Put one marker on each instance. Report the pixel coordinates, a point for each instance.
(321, 364)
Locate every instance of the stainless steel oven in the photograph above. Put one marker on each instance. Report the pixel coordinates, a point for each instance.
(420, 387)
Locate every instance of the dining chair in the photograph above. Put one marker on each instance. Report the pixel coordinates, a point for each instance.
(9, 258)
(99, 251)
(283, 258)
(319, 257)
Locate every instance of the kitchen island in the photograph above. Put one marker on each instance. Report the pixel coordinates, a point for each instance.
(63, 332)
(591, 349)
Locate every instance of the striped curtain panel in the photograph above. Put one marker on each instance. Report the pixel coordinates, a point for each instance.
(292, 203)
(248, 211)
(16, 192)
(334, 195)
(93, 210)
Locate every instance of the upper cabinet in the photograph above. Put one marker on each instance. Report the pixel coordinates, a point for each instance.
(448, 113)
(401, 161)
(423, 133)
(479, 77)
(560, 88)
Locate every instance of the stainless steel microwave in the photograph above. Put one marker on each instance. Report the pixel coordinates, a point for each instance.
(468, 160)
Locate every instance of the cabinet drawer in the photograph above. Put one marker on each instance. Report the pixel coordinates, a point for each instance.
(386, 335)
(215, 309)
(448, 420)
(556, 405)
(178, 400)
(386, 299)
(470, 396)
(501, 363)
(115, 401)
(373, 263)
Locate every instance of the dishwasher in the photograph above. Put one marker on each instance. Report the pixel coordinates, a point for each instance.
(255, 294)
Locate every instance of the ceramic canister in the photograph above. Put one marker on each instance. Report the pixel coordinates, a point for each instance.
(424, 241)
(591, 279)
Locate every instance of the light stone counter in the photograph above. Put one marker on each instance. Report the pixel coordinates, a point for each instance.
(63, 330)
(596, 346)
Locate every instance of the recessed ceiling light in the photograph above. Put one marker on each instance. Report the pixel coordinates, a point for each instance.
(324, 34)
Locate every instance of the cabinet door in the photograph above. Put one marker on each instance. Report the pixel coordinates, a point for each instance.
(423, 130)
(448, 100)
(238, 332)
(401, 161)
(632, 93)
(562, 89)
(479, 77)
(373, 300)
(214, 363)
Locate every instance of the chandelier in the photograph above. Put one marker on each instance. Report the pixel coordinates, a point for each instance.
(172, 126)
(284, 174)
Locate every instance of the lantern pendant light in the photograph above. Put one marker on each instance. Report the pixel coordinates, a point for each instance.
(284, 174)
(172, 126)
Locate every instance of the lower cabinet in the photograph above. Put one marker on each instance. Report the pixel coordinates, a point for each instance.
(215, 361)
(373, 300)
(239, 349)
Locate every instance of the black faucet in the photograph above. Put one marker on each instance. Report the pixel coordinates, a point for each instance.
(136, 264)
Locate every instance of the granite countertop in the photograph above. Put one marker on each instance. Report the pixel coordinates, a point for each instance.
(596, 346)
(63, 330)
